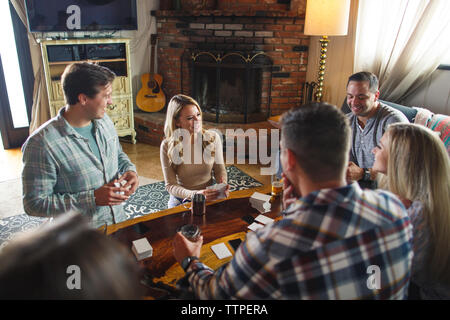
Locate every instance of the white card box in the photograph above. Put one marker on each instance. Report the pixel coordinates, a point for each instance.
(260, 197)
(142, 249)
(262, 207)
(261, 202)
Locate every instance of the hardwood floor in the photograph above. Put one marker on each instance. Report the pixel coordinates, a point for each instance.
(10, 164)
(10, 183)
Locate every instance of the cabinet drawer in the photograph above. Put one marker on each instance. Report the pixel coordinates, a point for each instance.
(121, 86)
(121, 123)
(119, 107)
(55, 107)
(57, 91)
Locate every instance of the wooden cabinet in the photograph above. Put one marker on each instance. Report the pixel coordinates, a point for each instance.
(111, 53)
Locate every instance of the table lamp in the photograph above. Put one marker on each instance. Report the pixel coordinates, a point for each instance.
(325, 18)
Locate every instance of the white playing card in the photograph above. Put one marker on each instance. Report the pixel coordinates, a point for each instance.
(263, 219)
(219, 187)
(118, 185)
(221, 250)
(255, 226)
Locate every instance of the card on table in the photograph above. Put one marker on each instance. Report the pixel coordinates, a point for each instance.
(221, 251)
(263, 219)
(255, 226)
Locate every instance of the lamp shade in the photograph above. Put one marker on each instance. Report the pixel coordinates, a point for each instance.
(327, 17)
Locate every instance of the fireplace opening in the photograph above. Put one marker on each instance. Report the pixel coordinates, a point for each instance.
(233, 87)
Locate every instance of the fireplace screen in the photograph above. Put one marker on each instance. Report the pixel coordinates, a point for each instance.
(232, 87)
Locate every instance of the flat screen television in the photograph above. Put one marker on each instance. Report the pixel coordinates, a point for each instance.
(81, 15)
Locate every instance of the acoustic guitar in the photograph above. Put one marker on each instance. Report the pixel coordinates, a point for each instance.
(151, 97)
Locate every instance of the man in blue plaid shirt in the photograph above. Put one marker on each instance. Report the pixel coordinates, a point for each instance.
(73, 160)
(336, 241)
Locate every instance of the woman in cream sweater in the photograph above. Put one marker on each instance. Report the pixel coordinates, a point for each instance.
(190, 155)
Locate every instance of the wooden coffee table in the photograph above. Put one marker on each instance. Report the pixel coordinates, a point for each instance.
(221, 223)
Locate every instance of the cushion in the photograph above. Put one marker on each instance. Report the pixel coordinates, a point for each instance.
(441, 123)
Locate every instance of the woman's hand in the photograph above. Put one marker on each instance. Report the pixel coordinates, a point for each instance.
(227, 189)
(210, 194)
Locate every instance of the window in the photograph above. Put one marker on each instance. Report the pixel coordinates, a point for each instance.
(13, 77)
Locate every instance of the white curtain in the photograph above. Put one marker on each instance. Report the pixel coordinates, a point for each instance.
(40, 111)
(401, 41)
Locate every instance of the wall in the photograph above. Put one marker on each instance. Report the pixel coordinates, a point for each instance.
(238, 26)
(434, 94)
(139, 44)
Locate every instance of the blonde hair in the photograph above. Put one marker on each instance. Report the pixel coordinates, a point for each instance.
(419, 170)
(176, 104)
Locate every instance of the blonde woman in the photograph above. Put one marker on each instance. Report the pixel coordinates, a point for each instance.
(190, 155)
(417, 168)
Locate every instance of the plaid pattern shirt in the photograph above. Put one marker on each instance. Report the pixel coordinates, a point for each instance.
(60, 171)
(321, 249)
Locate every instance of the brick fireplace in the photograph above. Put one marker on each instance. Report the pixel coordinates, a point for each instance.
(248, 28)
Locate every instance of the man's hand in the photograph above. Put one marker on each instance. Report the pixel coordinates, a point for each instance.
(108, 195)
(183, 248)
(289, 195)
(354, 173)
(132, 180)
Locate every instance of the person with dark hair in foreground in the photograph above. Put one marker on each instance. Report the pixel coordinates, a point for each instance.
(336, 241)
(67, 259)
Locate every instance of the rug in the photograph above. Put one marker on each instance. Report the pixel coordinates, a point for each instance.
(146, 200)
(153, 197)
